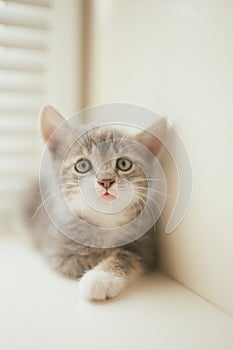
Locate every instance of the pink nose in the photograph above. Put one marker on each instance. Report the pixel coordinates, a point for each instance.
(106, 183)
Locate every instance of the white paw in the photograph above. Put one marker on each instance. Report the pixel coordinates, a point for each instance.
(100, 285)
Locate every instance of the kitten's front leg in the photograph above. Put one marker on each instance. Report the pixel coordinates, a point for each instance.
(111, 275)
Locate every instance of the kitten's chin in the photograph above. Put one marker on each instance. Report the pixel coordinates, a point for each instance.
(103, 220)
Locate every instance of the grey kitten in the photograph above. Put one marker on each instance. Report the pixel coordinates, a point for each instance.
(101, 165)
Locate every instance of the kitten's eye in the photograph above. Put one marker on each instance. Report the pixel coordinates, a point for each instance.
(83, 165)
(124, 164)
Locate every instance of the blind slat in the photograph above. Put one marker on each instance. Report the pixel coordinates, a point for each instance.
(6, 207)
(12, 185)
(18, 123)
(19, 102)
(23, 38)
(9, 167)
(25, 60)
(18, 14)
(46, 3)
(17, 144)
(16, 81)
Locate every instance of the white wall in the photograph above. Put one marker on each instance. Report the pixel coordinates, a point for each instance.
(176, 56)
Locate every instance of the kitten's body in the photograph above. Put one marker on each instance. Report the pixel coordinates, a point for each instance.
(104, 272)
(70, 257)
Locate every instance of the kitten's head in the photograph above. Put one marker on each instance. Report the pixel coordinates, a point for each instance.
(104, 175)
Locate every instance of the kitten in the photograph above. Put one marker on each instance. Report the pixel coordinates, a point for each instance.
(102, 188)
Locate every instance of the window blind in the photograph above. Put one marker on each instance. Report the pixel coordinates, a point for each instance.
(24, 55)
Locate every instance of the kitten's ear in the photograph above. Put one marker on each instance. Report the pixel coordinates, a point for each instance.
(153, 136)
(50, 119)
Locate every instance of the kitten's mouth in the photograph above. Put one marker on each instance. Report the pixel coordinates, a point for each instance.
(108, 196)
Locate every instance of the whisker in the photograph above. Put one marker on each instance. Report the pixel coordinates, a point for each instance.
(151, 189)
(146, 205)
(46, 200)
(55, 188)
(40, 206)
(122, 139)
(146, 179)
(147, 189)
(151, 199)
(126, 146)
(36, 212)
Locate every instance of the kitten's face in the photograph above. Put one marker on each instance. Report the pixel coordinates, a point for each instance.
(102, 181)
(103, 172)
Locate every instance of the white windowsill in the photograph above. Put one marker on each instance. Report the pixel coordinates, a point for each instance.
(41, 310)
